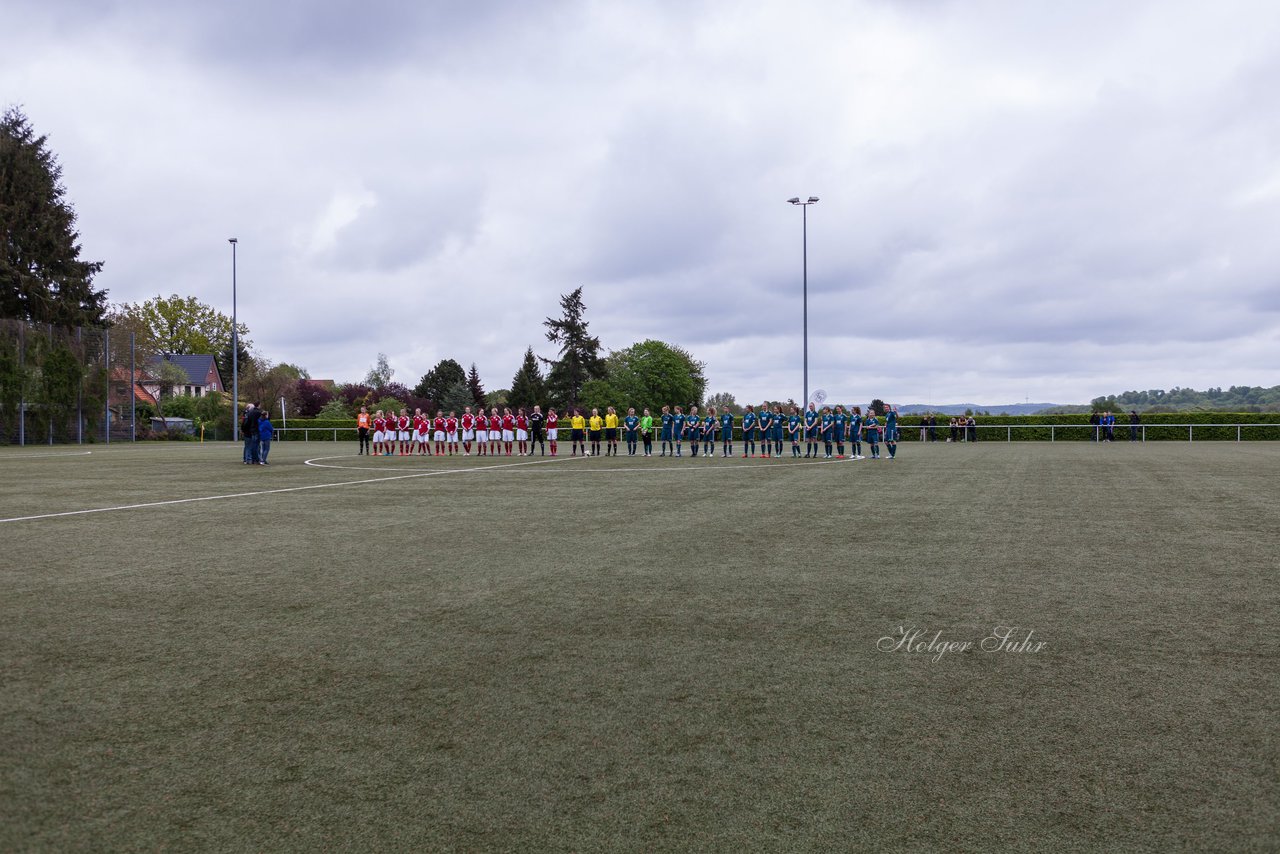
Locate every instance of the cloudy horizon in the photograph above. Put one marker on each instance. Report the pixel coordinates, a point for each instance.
(1018, 201)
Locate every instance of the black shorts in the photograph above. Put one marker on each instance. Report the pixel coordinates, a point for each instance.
(576, 436)
(611, 434)
(595, 435)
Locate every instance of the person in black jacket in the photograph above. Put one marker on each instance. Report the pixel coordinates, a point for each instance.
(536, 437)
(249, 432)
(1134, 421)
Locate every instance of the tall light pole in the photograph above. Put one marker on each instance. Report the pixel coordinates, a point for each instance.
(235, 347)
(804, 219)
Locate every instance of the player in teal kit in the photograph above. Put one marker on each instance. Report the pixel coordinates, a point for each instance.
(841, 423)
(778, 422)
(726, 433)
(855, 433)
(668, 420)
(871, 427)
(693, 426)
(794, 427)
(709, 424)
(811, 431)
(891, 431)
(828, 425)
(677, 429)
(766, 431)
(749, 431)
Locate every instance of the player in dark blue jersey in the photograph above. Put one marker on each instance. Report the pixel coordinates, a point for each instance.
(677, 429)
(709, 424)
(726, 433)
(779, 425)
(749, 431)
(667, 421)
(827, 425)
(631, 431)
(795, 427)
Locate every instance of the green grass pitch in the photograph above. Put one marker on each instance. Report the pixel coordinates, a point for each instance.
(471, 654)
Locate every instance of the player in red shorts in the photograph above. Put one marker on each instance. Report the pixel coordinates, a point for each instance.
(451, 432)
(553, 423)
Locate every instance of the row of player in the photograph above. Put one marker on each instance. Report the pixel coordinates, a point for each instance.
(824, 432)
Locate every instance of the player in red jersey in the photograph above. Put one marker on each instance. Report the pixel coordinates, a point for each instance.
(552, 423)
(379, 432)
(404, 425)
(451, 432)
(522, 433)
(468, 430)
(495, 432)
(419, 431)
(437, 427)
(508, 430)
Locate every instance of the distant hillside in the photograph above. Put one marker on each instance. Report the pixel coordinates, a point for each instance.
(962, 408)
(1235, 399)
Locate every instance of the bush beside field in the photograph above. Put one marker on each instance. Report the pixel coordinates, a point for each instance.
(1026, 428)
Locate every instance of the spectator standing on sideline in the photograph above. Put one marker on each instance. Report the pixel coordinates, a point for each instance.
(971, 425)
(954, 431)
(249, 432)
(933, 428)
(924, 428)
(1134, 421)
(266, 432)
(1094, 421)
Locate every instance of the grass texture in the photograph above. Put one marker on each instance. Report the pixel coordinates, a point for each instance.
(469, 654)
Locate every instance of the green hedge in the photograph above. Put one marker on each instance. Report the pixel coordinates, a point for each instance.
(991, 428)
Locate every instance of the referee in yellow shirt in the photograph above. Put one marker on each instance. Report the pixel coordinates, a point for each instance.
(611, 431)
(578, 426)
(593, 430)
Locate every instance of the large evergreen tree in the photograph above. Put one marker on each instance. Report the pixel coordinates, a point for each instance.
(42, 277)
(579, 359)
(436, 382)
(527, 386)
(474, 386)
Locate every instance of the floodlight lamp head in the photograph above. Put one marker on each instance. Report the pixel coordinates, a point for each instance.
(794, 201)
(812, 199)
(232, 240)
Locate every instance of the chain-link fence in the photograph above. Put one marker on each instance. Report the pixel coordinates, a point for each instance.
(61, 385)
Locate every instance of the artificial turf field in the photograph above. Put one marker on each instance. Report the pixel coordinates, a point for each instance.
(640, 654)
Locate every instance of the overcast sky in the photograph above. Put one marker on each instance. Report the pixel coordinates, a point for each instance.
(1018, 199)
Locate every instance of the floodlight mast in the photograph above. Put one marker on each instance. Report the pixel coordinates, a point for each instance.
(235, 346)
(804, 219)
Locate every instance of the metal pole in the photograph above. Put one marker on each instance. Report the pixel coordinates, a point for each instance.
(133, 394)
(106, 348)
(235, 346)
(80, 388)
(804, 231)
(22, 383)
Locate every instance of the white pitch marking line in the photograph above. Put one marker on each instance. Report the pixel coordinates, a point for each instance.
(9, 457)
(259, 492)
